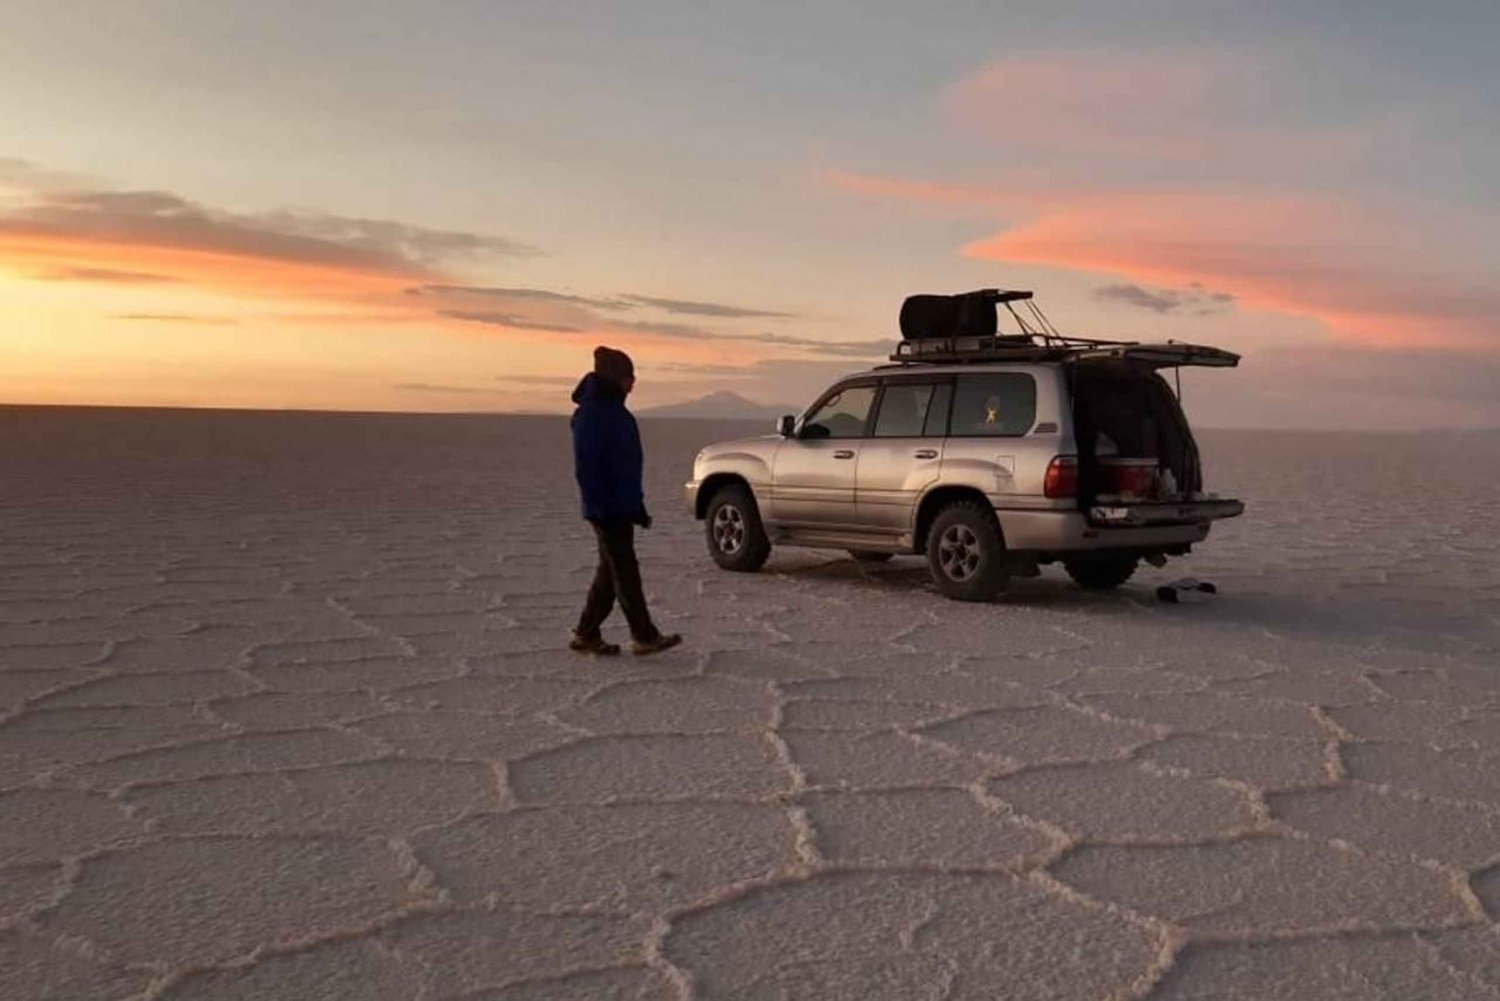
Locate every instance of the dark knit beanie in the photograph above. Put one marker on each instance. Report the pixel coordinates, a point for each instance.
(613, 365)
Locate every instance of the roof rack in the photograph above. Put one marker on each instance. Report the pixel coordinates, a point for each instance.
(1023, 347)
(973, 350)
(1040, 341)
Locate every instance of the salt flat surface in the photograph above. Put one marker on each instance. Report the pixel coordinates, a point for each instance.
(285, 713)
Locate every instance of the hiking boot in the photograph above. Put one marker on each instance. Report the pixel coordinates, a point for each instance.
(595, 645)
(665, 641)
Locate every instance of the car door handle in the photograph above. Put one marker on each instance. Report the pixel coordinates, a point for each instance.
(926, 453)
(843, 453)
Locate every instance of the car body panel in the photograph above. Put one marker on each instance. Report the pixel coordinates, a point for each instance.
(893, 474)
(813, 482)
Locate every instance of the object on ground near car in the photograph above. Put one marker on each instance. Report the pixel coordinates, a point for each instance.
(991, 455)
(1186, 591)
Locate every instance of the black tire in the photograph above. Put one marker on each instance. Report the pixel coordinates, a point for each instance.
(736, 538)
(1101, 574)
(966, 553)
(870, 556)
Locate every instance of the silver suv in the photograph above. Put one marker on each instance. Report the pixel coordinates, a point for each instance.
(990, 455)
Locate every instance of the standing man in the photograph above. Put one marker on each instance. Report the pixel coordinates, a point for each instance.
(607, 460)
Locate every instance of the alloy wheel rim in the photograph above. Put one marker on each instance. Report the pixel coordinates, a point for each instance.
(729, 529)
(959, 553)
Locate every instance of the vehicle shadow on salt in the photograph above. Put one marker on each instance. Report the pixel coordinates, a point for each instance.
(910, 575)
(1270, 606)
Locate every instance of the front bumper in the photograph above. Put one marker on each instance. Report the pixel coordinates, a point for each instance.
(690, 496)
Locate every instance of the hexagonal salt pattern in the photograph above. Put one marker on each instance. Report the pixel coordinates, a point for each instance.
(314, 735)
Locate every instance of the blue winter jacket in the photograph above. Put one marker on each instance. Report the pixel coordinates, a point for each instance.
(607, 454)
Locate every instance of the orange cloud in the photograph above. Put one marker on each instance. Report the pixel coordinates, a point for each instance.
(52, 256)
(145, 237)
(316, 270)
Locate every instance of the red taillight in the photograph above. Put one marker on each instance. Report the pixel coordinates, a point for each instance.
(1062, 477)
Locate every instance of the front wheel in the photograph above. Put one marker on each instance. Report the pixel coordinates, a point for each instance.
(966, 553)
(1101, 574)
(736, 538)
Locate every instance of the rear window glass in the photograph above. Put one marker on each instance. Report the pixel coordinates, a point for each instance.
(994, 404)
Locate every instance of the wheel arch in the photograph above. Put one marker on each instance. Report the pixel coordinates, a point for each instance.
(933, 502)
(712, 485)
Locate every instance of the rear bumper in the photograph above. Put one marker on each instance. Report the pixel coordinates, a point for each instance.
(1163, 526)
(1137, 515)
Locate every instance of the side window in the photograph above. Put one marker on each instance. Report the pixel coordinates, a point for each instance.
(937, 413)
(994, 404)
(842, 415)
(903, 409)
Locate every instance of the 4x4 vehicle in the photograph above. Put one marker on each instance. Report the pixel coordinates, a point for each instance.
(990, 454)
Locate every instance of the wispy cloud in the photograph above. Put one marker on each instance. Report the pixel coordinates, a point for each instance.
(548, 311)
(105, 275)
(510, 321)
(28, 176)
(212, 321)
(687, 307)
(1192, 300)
(676, 331)
(839, 349)
(428, 387)
(164, 220)
(531, 295)
(682, 307)
(715, 369)
(64, 233)
(537, 380)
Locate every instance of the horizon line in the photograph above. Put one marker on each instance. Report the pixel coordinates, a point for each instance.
(191, 408)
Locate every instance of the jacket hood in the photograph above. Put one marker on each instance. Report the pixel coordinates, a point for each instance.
(595, 388)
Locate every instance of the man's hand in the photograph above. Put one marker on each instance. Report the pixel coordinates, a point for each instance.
(643, 519)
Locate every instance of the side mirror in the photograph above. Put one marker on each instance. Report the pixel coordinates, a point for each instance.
(786, 425)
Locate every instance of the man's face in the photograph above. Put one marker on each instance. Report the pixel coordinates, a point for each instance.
(627, 384)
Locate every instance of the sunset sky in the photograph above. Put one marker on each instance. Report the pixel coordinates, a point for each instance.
(444, 206)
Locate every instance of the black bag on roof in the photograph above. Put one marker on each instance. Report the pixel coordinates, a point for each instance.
(971, 314)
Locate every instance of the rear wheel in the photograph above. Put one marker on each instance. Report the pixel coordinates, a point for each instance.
(1101, 574)
(870, 556)
(966, 554)
(736, 538)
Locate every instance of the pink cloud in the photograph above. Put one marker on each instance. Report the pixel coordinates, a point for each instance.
(1327, 259)
(1206, 165)
(1367, 277)
(1198, 111)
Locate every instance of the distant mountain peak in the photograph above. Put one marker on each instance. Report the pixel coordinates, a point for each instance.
(722, 404)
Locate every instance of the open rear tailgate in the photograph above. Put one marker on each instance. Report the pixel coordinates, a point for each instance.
(1164, 513)
(1169, 355)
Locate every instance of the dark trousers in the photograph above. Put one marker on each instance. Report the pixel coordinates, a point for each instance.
(617, 579)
